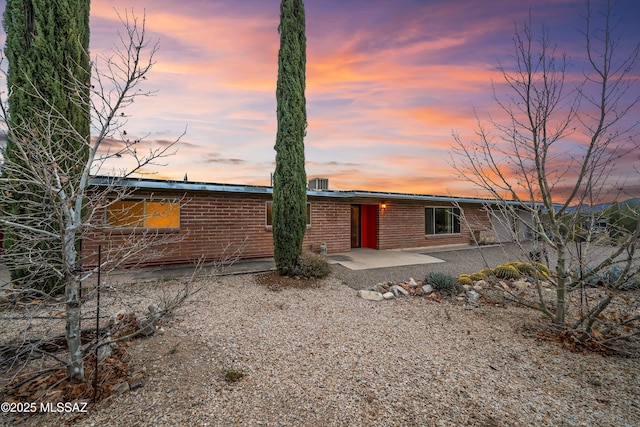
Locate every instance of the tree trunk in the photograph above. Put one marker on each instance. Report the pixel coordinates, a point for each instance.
(75, 368)
(561, 288)
(73, 308)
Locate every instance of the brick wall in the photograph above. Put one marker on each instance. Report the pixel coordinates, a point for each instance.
(214, 224)
(330, 224)
(402, 225)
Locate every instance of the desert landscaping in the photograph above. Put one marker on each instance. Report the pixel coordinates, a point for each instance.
(260, 349)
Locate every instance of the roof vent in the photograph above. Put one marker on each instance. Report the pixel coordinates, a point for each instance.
(319, 184)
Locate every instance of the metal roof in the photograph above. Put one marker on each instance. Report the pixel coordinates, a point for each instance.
(159, 184)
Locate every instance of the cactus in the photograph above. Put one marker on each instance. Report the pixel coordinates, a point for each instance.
(543, 268)
(465, 279)
(523, 267)
(506, 272)
(478, 275)
(487, 272)
(541, 271)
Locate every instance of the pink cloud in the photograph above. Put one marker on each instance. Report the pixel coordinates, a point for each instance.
(386, 85)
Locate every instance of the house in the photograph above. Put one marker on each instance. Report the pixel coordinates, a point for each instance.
(511, 224)
(210, 220)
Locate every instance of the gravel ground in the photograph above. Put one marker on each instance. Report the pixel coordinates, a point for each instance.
(321, 356)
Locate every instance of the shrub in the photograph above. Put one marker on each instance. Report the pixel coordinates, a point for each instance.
(612, 275)
(507, 272)
(593, 280)
(609, 277)
(232, 375)
(632, 283)
(443, 283)
(311, 266)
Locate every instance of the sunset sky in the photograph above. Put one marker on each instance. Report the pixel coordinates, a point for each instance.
(387, 83)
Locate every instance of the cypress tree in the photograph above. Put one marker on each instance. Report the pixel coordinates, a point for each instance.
(289, 179)
(48, 78)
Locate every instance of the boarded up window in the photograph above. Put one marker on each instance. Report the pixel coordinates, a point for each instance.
(162, 215)
(143, 213)
(126, 213)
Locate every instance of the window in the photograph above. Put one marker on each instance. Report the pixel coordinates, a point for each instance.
(442, 221)
(270, 214)
(143, 214)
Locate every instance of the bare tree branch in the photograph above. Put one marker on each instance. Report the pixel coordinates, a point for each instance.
(554, 152)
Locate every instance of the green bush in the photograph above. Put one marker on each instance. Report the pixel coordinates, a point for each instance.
(311, 266)
(232, 375)
(443, 283)
(612, 275)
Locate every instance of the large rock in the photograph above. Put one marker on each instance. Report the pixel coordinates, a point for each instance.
(107, 350)
(380, 287)
(135, 381)
(399, 290)
(473, 295)
(427, 289)
(370, 295)
(123, 387)
(519, 285)
(505, 286)
(388, 295)
(482, 283)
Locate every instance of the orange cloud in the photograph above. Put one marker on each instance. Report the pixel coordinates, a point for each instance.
(386, 86)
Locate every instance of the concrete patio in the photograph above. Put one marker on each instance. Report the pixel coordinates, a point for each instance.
(365, 258)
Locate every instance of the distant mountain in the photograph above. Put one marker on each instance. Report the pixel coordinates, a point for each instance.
(600, 206)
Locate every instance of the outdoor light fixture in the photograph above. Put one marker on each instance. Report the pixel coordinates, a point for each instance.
(383, 206)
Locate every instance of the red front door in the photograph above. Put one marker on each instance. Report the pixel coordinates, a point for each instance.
(369, 226)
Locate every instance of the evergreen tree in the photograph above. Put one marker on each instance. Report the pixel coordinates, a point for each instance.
(48, 78)
(289, 185)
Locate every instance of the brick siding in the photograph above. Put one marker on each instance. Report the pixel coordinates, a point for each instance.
(214, 225)
(212, 221)
(402, 225)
